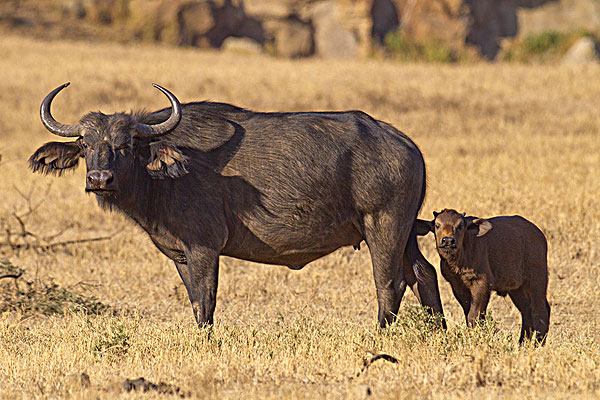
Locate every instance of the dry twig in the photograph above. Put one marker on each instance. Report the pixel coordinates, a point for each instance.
(24, 238)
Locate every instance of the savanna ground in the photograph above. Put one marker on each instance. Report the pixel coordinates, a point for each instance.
(497, 138)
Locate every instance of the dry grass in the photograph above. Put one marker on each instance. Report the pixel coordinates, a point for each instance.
(498, 139)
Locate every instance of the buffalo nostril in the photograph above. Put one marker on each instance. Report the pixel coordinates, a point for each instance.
(93, 177)
(107, 177)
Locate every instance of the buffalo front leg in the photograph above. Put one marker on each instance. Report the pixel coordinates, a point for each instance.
(203, 270)
(184, 274)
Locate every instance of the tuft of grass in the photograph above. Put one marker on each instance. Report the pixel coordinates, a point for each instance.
(8, 270)
(546, 46)
(415, 321)
(402, 48)
(112, 339)
(45, 298)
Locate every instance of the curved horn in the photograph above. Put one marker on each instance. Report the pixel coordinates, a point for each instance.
(147, 131)
(50, 123)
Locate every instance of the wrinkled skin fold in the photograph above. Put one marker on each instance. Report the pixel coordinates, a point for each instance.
(209, 179)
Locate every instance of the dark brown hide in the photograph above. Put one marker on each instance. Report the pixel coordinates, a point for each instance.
(503, 254)
(278, 188)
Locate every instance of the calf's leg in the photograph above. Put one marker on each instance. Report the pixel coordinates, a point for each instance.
(480, 297)
(540, 312)
(463, 295)
(521, 300)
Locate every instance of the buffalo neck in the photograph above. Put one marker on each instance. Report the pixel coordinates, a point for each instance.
(141, 197)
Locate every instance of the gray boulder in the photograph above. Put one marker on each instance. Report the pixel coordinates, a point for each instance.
(584, 51)
(332, 39)
(241, 45)
(290, 37)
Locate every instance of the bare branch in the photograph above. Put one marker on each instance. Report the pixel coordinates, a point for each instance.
(15, 276)
(382, 356)
(48, 246)
(39, 242)
(31, 208)
(8, 239)
(57, 234)
(10, 271)
(75, 241)
(24, 238)
(24, 231)
(85, 285)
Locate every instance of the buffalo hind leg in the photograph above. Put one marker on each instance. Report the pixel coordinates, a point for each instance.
(386, 241)
(521, 300)
(422, 290)
(203, 267)
(421, 277)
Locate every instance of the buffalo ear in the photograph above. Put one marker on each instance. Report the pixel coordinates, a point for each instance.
(55, 158)
(482, 226)
(435, 214)
(166, 161)
(423, 227)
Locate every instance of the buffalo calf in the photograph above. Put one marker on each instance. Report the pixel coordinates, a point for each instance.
(503, 254)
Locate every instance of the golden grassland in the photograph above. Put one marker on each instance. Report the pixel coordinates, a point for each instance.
(497, 138)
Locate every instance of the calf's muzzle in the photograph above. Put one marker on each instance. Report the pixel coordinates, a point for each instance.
(448, 242)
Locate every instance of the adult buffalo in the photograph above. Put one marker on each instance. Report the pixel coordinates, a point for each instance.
(208, 179)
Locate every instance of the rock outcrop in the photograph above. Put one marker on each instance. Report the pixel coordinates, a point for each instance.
(300, 28)
(560, 16)
(584, 51)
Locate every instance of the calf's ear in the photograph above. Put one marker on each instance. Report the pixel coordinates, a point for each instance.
(423, 227)
(55, 158)
(482, 226)
(166, 161)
